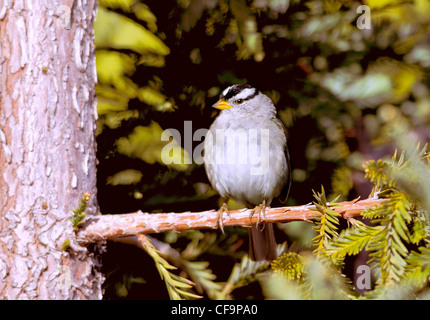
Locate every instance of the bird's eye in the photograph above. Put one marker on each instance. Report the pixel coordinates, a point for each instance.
(239, 101)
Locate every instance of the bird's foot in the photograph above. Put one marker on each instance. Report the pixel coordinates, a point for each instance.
(261, 211)
(219, 219)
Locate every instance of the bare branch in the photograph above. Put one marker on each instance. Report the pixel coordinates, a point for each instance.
(111, 227)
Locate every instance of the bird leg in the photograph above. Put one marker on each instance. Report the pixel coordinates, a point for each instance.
(261, 211)
(222, 209)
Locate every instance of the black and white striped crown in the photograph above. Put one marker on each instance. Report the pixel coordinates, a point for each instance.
(239, 91)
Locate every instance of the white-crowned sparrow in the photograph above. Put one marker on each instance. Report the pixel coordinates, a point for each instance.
(246, 158)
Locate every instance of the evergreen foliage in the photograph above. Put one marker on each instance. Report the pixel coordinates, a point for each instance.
(177, 286)
(79, 212)
(326, 223)
(396, 238)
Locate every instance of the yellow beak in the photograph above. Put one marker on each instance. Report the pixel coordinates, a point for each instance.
(222, 104)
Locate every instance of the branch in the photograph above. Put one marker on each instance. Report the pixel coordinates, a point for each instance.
(115, 226)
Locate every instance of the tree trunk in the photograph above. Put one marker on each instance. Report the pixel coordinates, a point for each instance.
(47, 148)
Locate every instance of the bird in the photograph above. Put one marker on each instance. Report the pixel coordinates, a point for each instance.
(246, 158)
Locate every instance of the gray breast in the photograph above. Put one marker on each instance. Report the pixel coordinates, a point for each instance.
(245, 160)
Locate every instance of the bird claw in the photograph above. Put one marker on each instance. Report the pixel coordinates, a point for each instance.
(219, 219)
(261, 210)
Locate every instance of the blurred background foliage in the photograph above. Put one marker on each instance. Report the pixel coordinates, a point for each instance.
(340, 91)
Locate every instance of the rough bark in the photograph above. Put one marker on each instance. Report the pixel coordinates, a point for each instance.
(47, 148)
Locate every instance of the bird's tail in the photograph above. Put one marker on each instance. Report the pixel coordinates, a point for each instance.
(262, 244)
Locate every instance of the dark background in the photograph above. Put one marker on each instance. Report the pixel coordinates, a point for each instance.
(325, 75)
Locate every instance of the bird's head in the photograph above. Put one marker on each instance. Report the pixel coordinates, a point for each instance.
(244, 99)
